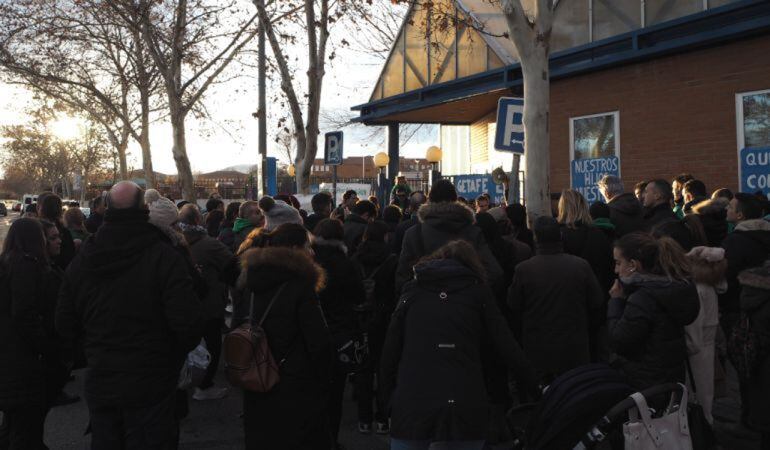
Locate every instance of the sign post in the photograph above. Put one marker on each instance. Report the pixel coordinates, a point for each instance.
(509, 137)
(333, 156)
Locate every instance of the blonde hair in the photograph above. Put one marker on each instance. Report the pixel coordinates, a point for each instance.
(573, 208)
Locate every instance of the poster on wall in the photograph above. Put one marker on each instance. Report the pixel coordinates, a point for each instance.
(755, 170)
(471, 186)
(594, 151)
(753, 131)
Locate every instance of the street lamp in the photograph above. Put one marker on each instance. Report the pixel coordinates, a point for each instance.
(381, 160)
(433, 155)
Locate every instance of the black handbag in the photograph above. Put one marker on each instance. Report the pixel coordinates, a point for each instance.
(701, 434)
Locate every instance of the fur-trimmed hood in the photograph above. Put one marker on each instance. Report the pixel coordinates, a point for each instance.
(708, 265)
(446, 216)
(758, 277)
(753, 225)
(266, 267)
(712, 207)
(319, 242)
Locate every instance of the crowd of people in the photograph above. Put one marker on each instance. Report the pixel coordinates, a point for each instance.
(445, 311)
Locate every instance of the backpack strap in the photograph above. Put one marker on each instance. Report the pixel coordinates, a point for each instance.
(374, 272)
(269, 305)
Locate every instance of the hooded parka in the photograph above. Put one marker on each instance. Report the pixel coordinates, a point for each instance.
(646, 329)
(439, 224)
(432, 361)
(291, 415)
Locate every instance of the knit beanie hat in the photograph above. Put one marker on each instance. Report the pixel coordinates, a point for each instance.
(277, 213)
(163, 212)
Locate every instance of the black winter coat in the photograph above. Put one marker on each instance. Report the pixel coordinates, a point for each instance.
(557, 304)
(657, 215)
(713, 217)
(291, 415)
(212, 259)
(746, 247)
(93, 222)
(432, 361)
(401, 229)
(371, 257)
(22, 333)
(312, 220)
(441, 223)
(755, 303)
(646, 329)
(355, 226)
(343, 290)
(67, 252)
(626, 214)
(593, 245)
(130, 297)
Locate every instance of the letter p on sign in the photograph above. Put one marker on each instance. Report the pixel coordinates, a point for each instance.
(509, 135)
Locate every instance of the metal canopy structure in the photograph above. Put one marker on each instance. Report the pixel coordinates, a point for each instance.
(452, 99)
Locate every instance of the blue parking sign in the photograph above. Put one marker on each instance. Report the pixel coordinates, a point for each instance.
(509, 136)
(333, 148)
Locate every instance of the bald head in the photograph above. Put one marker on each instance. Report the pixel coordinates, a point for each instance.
(126, 195)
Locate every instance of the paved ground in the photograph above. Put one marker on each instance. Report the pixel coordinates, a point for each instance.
(5, 223)
(212, 425)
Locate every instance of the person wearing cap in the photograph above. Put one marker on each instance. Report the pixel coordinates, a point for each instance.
(136, 328)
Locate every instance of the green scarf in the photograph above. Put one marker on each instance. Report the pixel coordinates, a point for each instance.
(603, 222)
(241, 224)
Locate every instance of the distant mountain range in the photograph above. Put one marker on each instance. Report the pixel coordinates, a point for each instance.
(242, 168)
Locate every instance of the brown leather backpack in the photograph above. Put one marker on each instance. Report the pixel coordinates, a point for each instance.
(249, 363)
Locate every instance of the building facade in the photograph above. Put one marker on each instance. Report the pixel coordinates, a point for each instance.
(642, 89)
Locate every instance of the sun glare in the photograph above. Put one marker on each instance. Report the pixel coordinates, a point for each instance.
(67, 128)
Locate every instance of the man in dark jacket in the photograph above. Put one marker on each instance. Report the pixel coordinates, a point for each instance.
(322, 205)
(625, 210)
(746, 247)
(96, 218)
(657, 204)
(555, 314)
(694, 192)
(249, 218)
(218, 268)
(443, 220)
(130, 299)
(416, 200)
(676, 191)
(355, 223)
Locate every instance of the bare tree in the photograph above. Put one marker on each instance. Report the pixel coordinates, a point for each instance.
(316, 26)
(191, 43)
(530, 31)
(81, 54)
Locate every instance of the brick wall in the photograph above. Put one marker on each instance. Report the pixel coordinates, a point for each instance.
(677, 113)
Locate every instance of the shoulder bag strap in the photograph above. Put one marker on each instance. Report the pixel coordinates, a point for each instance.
(269, 305)
(374, 272)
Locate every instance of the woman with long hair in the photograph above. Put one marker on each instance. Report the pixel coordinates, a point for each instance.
(226, 235)
(431, 368)
(581, 238)
(24, 264)
(290, 416)
(651, 302)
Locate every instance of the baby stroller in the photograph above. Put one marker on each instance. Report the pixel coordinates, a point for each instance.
(580, 410)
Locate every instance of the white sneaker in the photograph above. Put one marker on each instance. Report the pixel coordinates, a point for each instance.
(212, 393)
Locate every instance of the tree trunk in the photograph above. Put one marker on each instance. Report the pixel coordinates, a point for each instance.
(536, 132)
(121, 147)
(144, 142)
(301, 167)
(83, 187)
(179, 151)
